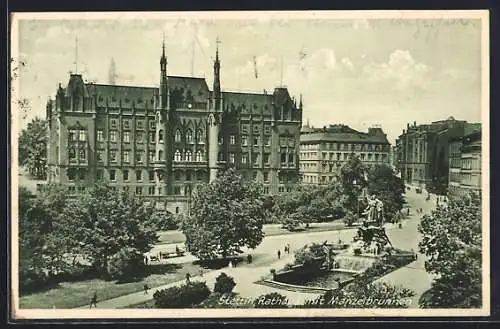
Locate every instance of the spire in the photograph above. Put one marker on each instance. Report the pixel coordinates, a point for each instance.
(217, 42)
(163, 60)
(217, 93)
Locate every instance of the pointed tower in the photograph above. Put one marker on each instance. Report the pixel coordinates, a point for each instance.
(162, 161)
(214, 120)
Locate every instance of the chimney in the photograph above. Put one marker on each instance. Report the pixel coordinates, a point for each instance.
(414, 123)
(407, 126)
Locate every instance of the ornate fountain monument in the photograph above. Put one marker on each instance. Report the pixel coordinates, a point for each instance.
(371, 237)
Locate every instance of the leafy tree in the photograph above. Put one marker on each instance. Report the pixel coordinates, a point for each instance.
(164, 220)
(33, 148)
(105, 221)
(184, 296)
(41, 242)
(227, 214)
(353, 181)
(452, 243)
(306, 203)
(126, 264)
(388, 188)
(224, 284)
(365, 295)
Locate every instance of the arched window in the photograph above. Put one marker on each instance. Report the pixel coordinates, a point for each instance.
(189, 156)
(201, 137)
(189, 136)
(177, 135)
(160, 155)
(177, 156)
(199, 156)
(160, 136)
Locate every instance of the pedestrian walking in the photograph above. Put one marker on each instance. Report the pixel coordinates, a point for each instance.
(188, 278)
(249, 259)
(279, 254)
(146, 288)
(201, 272)
(93, 300)
(287, 248)
(146, 260)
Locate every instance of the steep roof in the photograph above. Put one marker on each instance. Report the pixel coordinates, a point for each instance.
(121, 92)
(343, 137)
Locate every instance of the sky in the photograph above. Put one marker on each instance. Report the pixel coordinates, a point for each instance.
(352, 70)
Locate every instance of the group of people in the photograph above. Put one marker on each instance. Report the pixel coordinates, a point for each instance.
(286, 249)
(231, 264)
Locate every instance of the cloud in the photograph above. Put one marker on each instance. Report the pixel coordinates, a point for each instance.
(347, 63)
(322, 59)
(400, 72)
(263, 62)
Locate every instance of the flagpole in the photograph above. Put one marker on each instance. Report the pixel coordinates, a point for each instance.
(281, 72)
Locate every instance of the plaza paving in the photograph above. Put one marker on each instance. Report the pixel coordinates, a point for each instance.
(412, 276)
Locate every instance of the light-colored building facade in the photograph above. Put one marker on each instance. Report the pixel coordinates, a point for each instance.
(323, 151)
(422, 152)
(161, 142)
(465, 165)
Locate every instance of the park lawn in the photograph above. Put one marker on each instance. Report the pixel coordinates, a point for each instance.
(74, 294)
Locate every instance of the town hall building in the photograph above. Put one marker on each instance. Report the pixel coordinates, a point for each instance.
(161, 142)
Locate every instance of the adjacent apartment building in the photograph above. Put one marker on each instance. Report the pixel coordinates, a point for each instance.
(161, 142)
(323, 151)
(465, 165)
(422, 152)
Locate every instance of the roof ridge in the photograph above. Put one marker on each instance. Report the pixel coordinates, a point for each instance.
(126, 86)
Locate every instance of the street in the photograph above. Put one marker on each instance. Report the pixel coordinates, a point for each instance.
(412, 276)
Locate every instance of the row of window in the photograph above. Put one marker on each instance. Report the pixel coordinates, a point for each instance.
(245, 140)
(256, 129)
(347, 147)
(199, 156)
(139, 136)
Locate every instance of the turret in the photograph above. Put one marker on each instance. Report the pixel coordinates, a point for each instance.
(163, 79)
(162, 158)
(214, 119)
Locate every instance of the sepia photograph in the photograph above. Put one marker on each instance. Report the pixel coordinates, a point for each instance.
(249, 164)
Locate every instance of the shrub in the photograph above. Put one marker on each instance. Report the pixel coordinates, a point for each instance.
(224, 284)
(308, 253)
(287, 267)
(184, 296)
(358, 295)
(350, 218)
(271, 300)
(291, 223)
(126, 264)
(164, 220)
